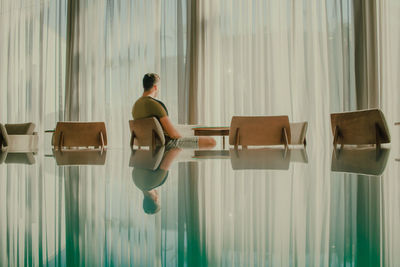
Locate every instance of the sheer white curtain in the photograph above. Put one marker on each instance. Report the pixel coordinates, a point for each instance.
(32, 68)
(32, 61)
(115, 43)
(277, 217)
(269, 57)
(389, 88)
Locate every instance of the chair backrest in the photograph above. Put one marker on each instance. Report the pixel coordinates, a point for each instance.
(146, 131)
(261, 130)
(20, 128)
(360, 127)
(80, 134)
(298, 132)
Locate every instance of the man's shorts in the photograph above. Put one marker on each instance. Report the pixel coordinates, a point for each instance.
(189, 142)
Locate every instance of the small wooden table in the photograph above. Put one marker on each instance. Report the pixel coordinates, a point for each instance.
(212, 131)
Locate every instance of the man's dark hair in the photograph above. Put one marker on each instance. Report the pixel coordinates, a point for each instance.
(149, 80)
(150, 206)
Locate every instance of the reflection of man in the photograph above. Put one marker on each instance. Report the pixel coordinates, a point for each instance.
(148, 106)
(147, 180)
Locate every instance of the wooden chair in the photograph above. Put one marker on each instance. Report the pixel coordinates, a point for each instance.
(366, 161)
(360, 128)
(298, 132)
(259, 131)
(19, 137)
(146, 132)
(80, 134)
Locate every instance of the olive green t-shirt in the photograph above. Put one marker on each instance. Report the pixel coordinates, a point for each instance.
(146, 107)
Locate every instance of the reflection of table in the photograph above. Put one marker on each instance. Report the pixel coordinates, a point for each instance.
(212, 131)
(211, 154)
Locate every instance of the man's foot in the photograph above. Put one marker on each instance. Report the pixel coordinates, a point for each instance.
(207, 142)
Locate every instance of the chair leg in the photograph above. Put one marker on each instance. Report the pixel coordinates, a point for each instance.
(378, 136)
(61, 141)
(102, 141)
(335, 136)
(285, 138)
(237, 141)
(132, 141)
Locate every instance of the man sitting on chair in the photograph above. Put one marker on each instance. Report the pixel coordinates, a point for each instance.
(148, 106)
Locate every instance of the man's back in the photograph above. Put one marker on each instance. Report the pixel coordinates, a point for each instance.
(146, 107)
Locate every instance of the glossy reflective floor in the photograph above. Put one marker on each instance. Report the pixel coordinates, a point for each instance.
(263, 207)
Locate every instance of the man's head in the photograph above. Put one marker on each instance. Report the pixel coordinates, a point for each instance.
(151, 81)
(147, 180)
(151, 204)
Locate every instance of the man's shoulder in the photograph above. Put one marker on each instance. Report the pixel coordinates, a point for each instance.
(146, 99)
(150, 106)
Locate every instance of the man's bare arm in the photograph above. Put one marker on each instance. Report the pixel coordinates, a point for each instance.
(169, 128)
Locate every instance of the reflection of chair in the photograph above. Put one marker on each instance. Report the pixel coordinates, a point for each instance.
(259, 131)
(360, 127)
(147, 159)
(80, 134)
(79, 157)
(367, 161)
(146, 132)
(19, 137)
(298, 132)
(17, 158)
(298, 155)
(260, 159)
